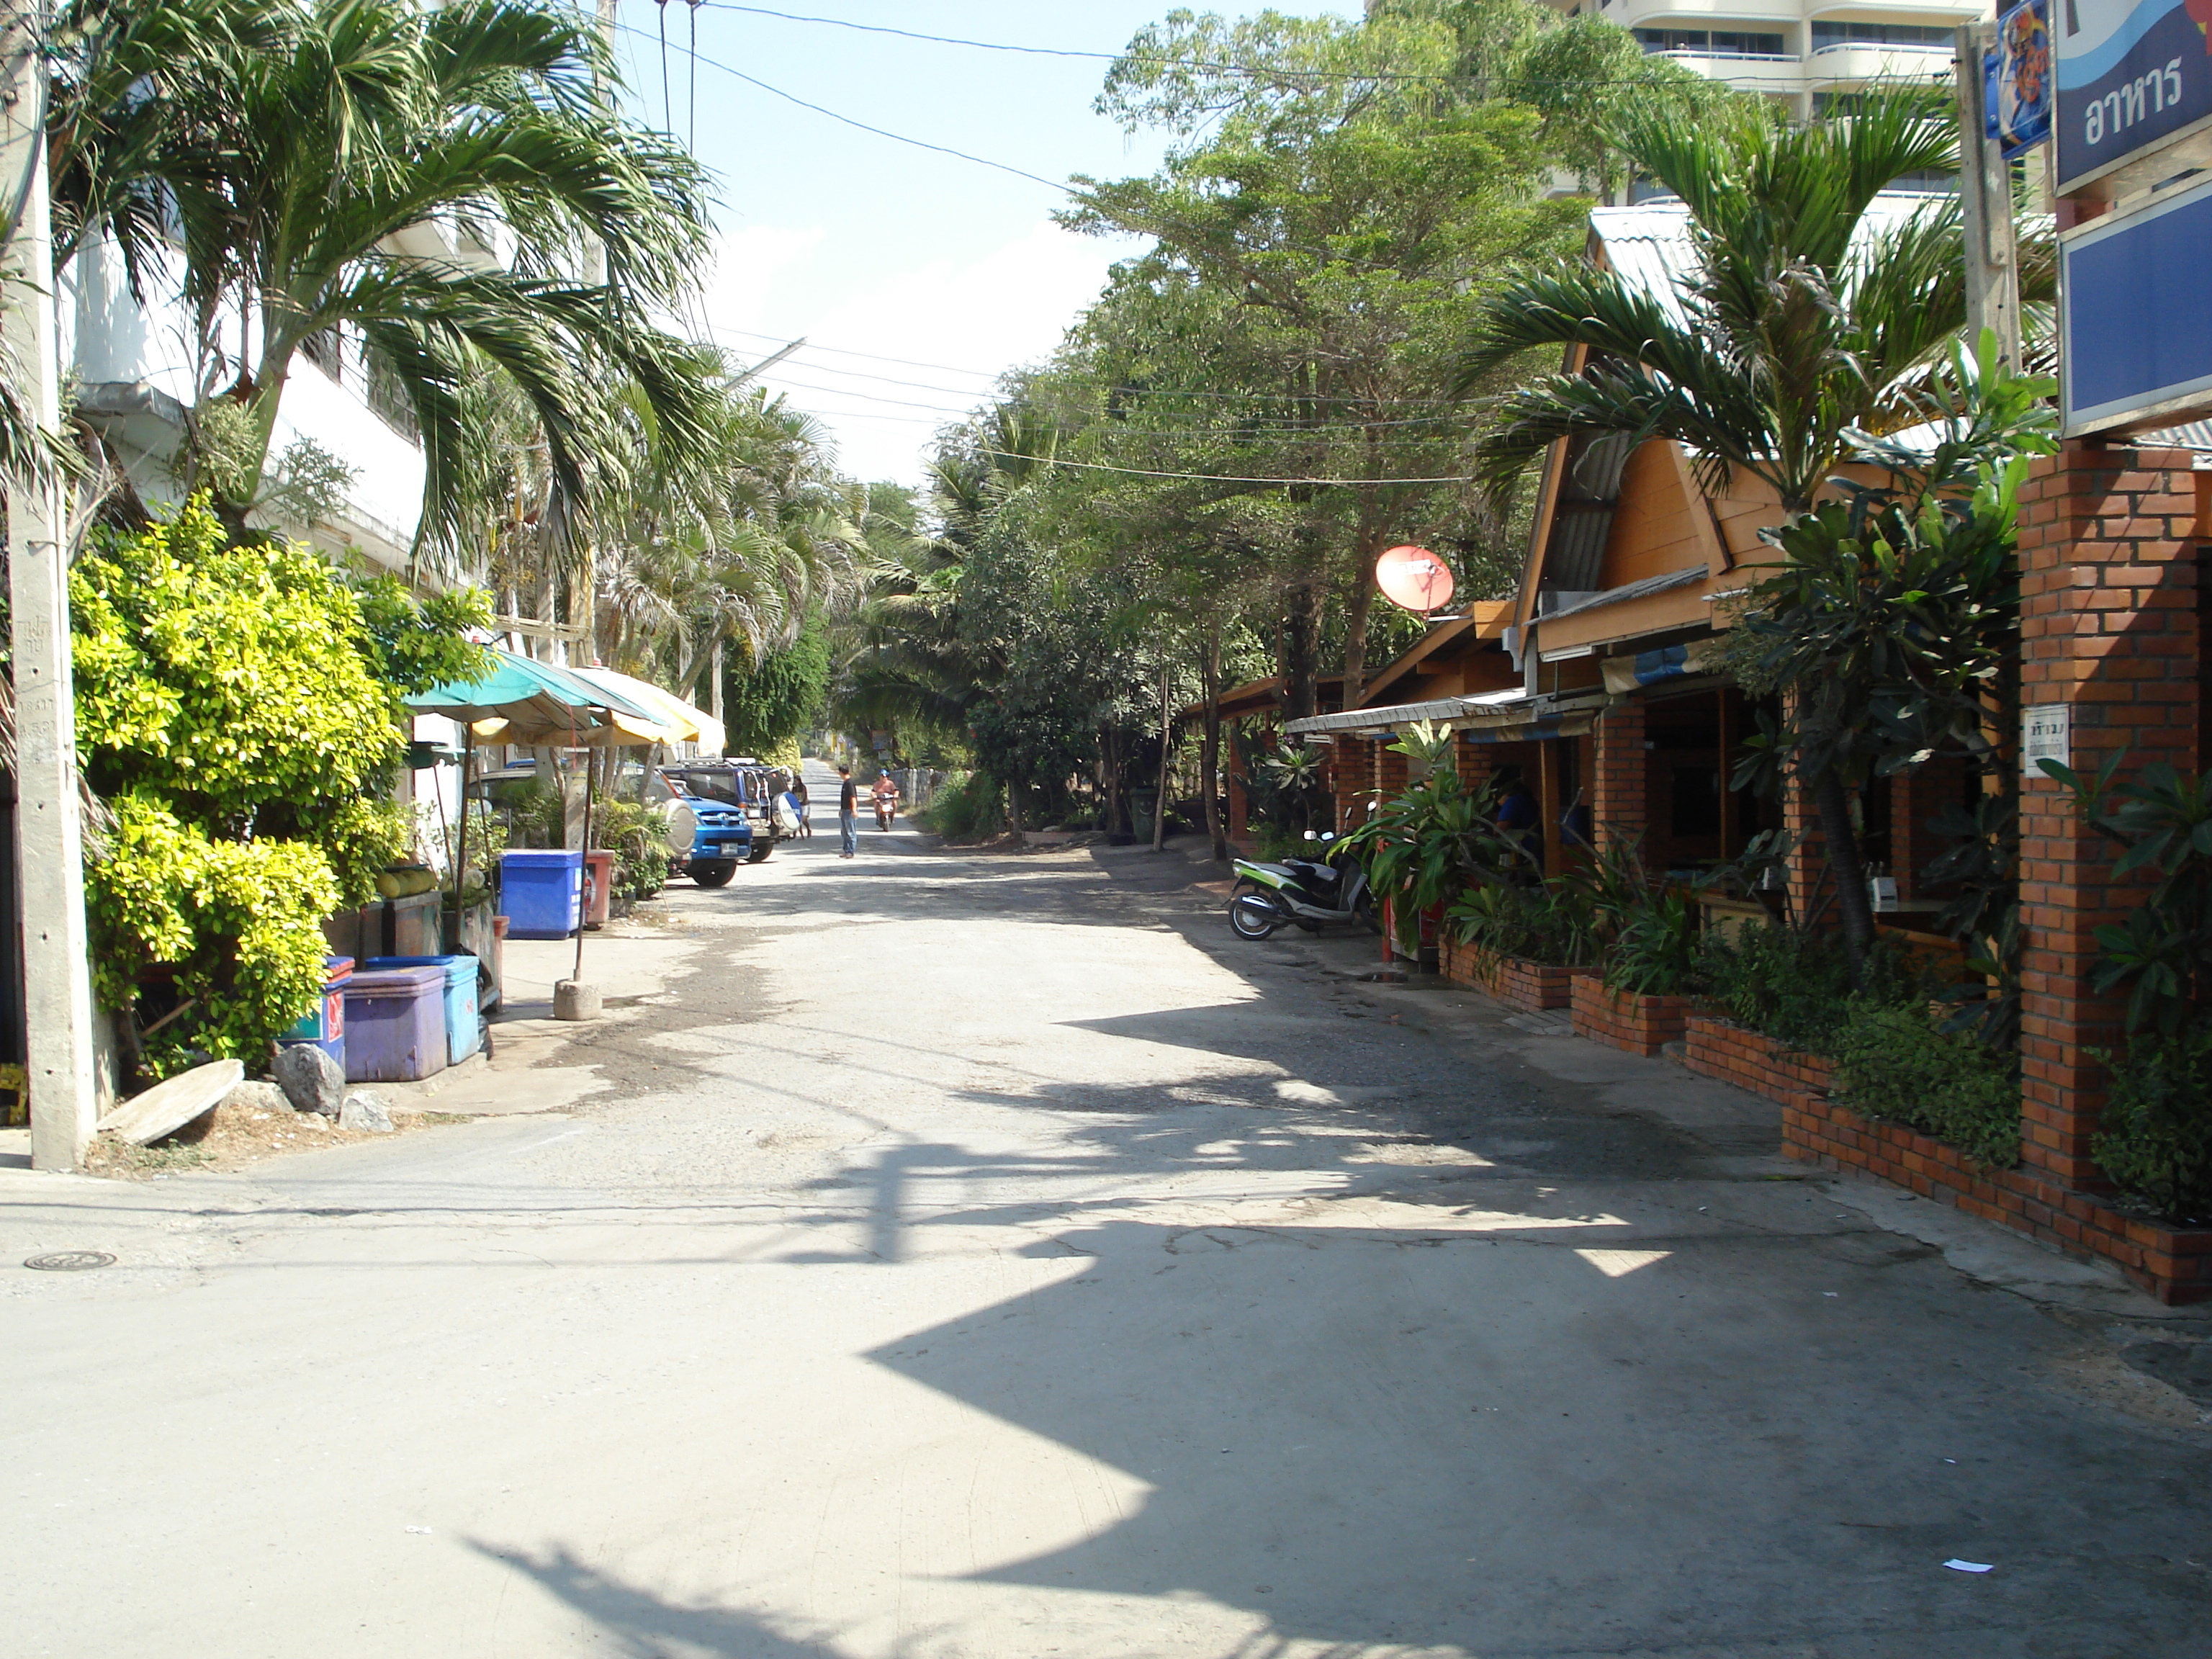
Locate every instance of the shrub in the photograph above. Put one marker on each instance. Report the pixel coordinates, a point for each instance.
(238, 705)
(1654, 950)
(2155, 1139)
(1893, 1063)
(1796, 986)
(1549, 924)
(637, 835)
(965, 809)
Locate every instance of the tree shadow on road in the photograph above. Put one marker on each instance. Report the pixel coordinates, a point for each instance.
(642, 1623)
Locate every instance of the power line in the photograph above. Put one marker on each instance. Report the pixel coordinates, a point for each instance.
(1250, 71)
(1213, 478)
(880, 132)
(1131, 390)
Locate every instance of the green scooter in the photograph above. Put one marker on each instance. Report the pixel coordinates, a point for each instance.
(1302, 892)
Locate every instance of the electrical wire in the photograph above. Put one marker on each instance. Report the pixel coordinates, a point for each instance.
(880, 132)
(1415, 76)
(1216, 477)
(991, 374)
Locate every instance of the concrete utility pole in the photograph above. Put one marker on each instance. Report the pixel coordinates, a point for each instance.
(49, 830)
(1986, 206)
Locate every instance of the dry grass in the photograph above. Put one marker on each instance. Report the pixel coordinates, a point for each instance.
(232, 1137)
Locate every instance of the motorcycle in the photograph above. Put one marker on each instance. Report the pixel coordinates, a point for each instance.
(886, 810)
(1304, 892)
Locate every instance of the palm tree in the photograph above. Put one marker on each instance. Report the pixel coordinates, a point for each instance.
(1796, 320)
(285, 147)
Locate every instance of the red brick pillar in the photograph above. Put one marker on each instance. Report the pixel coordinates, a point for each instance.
(1618, 809)
(2108, 623)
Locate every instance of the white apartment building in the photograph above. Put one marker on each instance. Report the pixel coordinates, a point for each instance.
(1806, 52)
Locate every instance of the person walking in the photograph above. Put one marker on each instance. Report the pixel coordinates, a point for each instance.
(848, 814)
(805, 812)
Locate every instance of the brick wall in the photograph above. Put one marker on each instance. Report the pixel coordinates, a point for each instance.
(1532, 987)
(2108, 622)
(1638, 1024)
(1390, 769)
(1618, 771)
(1475, 762)
(2172, 1264)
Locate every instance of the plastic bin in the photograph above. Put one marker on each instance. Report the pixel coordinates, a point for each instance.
(464, 1021)
(326, 1027)
(395, 1025)
(541, 893)
(598, 885)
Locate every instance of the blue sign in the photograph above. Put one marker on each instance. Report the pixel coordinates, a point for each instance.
(2016, 80)
(2131, 73)
(2135, 335)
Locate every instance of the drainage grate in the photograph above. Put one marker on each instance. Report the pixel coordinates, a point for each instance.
(69, 1261)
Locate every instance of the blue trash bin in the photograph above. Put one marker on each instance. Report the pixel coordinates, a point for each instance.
(541, 894)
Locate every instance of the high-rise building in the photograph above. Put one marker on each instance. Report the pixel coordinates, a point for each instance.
(1809, 54)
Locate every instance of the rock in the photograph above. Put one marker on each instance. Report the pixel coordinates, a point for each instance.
(363, 1111)
(168, 1107)
(573, 999)
(311, 1079)
(259, 1097)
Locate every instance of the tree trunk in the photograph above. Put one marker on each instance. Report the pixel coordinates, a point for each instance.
(1301, 652)
(1209, 765)
(1160, 808)
(1840, 842)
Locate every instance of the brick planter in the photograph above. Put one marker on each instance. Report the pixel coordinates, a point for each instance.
(1621, 1020)
(2174, 1264)
(1719, 1048)
(1532, 987)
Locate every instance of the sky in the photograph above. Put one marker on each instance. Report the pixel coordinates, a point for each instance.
(916, 278)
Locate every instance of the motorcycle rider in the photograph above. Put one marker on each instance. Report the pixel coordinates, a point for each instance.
(885, 794)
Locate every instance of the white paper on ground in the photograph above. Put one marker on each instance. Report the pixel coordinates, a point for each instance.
(1967, 1566)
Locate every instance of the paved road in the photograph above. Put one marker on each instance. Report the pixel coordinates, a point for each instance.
(971, 1256)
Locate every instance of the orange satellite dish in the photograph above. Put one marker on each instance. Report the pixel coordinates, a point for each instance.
(1414, 578)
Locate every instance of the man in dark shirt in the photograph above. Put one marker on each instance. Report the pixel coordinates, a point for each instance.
(848, 814)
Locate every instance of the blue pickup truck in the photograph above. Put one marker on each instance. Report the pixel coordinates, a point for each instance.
(733, 806)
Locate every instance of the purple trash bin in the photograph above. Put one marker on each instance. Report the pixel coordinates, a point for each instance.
(395, 1025)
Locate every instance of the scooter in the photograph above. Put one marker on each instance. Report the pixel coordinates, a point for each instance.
(886, 810)
(1304, 892)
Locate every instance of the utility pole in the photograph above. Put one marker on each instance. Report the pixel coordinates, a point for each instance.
(49, 825)
(1986, 206)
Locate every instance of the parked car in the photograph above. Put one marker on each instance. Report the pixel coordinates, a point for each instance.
(726, 795)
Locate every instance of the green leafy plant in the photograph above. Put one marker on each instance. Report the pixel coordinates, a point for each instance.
(2155, 1138)
(1426, 846)
(637, 835)
(1551, 923)
(969, 806)
(1892, 1062)
(1797, 987)
(232, 706)
(1654, 948)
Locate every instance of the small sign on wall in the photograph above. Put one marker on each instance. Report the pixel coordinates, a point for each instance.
(2046, 732)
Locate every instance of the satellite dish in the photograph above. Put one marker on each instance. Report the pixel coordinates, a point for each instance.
(1413, 579)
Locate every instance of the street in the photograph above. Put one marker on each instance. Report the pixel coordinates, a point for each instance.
(959, 1255)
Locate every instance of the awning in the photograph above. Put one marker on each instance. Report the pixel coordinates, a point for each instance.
(1495, 717)
(689, 724)
(521, 702)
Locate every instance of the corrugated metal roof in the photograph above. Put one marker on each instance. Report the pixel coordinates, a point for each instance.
(1648, 245)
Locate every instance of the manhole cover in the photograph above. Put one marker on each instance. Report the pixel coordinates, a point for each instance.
(70, 1261)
